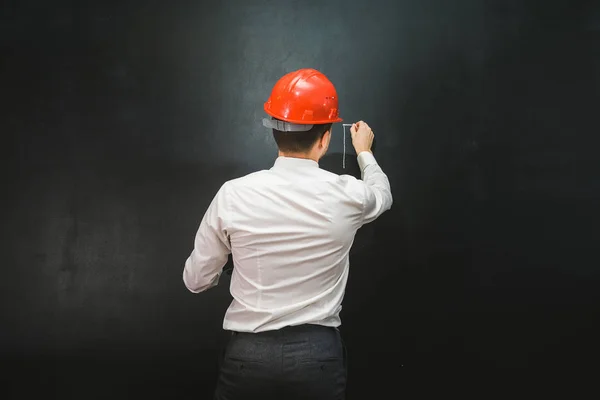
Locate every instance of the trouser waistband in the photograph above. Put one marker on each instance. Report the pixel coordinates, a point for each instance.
(291, 329)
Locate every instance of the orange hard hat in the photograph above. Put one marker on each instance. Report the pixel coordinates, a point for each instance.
(302, 99)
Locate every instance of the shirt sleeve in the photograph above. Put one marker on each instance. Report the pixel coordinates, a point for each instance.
(378, 194)
(204, 266)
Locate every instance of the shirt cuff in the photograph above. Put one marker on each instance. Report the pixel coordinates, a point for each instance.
(365, 158)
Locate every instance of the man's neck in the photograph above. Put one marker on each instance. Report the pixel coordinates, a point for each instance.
(300, 155)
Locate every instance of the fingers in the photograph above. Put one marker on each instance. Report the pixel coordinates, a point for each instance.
(360, 125)
(362, 136)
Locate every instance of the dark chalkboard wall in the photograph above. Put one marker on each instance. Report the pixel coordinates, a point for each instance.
(120, 120)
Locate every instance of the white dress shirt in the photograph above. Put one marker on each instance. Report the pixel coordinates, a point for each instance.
(289, 230)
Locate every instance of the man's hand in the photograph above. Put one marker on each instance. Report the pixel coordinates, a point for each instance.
(362, 137)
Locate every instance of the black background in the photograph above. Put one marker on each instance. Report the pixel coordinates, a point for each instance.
(120, 120)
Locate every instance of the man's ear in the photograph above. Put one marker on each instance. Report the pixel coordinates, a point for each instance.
(326, 138)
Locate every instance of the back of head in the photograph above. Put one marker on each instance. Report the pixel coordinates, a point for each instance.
(303, 105)
(300, 142)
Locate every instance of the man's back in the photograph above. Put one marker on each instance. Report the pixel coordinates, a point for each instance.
(290, 229)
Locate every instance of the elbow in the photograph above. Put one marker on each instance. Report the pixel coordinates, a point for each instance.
(193, 284)
(389, 201)
(192, 287)
(198, 283)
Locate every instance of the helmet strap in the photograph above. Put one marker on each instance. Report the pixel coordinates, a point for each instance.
(285, 126)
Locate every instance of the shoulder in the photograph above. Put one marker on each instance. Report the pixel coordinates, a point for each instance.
(347, 186)
(250, 179)
(344, 180)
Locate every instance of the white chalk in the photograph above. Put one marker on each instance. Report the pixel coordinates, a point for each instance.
(344, 154)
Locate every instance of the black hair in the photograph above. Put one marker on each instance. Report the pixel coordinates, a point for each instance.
(300, 142)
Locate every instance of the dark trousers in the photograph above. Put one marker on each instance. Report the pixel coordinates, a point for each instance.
(297, 362)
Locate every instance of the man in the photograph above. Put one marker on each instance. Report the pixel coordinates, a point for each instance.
(289, 230)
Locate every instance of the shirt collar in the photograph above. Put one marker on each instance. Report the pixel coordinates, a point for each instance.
(293, 162)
